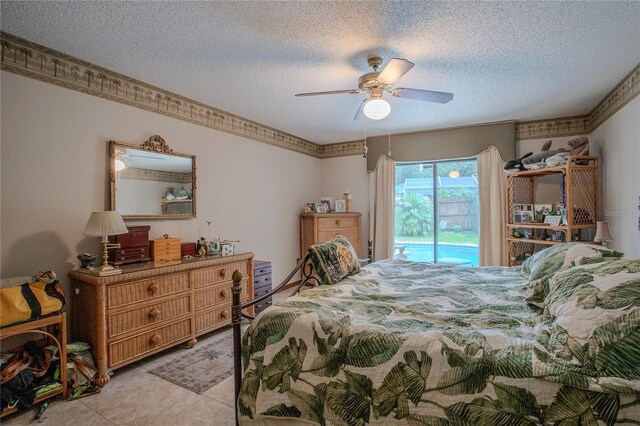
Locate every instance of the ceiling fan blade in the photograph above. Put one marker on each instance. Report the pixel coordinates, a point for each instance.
(395, 69)
(360, 114)
(422, 95)
(332, 92)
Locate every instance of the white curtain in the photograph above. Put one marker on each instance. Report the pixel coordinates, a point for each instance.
(382, 184)
(491, 190)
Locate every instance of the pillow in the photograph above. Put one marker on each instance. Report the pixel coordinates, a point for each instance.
(592, 324)
(561, 256)
(333, 260)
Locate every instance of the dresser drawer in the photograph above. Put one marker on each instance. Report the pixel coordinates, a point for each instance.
(262, 270)
(133, 319)
(261, 291)
(332, 223)
(261, 306)
(132, 347)
(124, 294)
(213, 319)
(218, 294)
(263, 281)
(351, 234)
(217, 274)
(134, 251)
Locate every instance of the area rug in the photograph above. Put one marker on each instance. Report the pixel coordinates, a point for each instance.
(201, 368)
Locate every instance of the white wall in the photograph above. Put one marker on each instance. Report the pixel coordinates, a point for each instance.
(342, 173)
(54, 174)
(617, 144)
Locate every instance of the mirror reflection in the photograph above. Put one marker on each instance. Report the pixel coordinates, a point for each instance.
(149, 184)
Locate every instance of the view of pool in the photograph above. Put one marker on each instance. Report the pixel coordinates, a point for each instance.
(456, 254)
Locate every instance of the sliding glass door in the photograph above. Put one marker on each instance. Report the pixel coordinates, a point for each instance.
(436, 212)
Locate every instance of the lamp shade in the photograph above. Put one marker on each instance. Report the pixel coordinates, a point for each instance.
(105, 223)
(602, 232)
(376, 109)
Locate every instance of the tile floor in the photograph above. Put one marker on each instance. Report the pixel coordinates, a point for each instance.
(134, 396)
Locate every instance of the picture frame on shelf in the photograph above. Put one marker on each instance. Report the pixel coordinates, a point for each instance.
(341, 206)
(321, 208)
(522, 213)
(553, 220)
(310, 207)
(331, 203)
(542, 211)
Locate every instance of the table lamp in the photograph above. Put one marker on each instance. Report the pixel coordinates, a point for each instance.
(603, 235)
(103, 224)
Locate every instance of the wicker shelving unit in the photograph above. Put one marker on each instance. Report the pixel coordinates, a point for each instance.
(580, 176)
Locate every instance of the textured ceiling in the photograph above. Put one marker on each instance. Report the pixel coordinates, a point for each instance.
(503, 60)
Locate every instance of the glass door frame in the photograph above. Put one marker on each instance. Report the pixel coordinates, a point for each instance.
(436, 213)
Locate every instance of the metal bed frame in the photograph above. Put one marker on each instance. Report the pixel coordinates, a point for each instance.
(237, 307)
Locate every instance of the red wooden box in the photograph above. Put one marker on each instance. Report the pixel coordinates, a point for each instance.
(188, 249)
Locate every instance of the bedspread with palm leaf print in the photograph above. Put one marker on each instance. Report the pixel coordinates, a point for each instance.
(414, 344)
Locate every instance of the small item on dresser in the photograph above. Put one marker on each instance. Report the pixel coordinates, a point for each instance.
(134, 246)
(87, 260)
(201, 247)
(341, 206)
(347, 199)
(227, 247)
(187, 249)
(213, 248)
(165, 249)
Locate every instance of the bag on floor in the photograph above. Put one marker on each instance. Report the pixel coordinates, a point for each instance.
(30, 300)
(18, 376)
(84, 376)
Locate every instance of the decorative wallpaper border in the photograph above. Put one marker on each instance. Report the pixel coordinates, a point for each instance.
(622, 94)
(32, 60)
(29, 59)
(155, 175)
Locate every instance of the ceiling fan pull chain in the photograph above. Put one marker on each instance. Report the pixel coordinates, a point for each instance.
(365, 149)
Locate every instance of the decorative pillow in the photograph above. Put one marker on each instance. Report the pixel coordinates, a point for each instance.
(592, 324)
(561, 256)
(334, 260)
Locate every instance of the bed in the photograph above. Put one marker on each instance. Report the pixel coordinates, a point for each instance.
(554, 342)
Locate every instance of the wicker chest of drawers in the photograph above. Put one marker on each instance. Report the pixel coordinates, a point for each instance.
(316, 228)
(148, 308)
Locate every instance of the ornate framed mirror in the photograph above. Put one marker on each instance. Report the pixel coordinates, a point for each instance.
(150, 181)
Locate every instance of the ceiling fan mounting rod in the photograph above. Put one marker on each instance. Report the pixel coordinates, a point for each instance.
(374, 62)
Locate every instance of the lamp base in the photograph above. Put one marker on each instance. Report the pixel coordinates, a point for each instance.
(105, 270)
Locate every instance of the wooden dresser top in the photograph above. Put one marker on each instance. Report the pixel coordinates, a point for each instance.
(146, 270)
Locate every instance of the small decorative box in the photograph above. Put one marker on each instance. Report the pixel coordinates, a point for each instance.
(165, 249)
(188, 249)
(226, 248)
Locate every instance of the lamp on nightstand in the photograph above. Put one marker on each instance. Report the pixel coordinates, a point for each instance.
(103, 224)
(603, 235)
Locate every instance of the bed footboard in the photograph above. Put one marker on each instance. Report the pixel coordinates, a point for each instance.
(308, 278)
(237, 307)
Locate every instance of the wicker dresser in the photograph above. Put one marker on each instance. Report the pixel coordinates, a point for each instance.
(316, 228)
(149, 308)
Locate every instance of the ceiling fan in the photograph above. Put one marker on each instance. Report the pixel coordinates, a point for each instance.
(376, 83)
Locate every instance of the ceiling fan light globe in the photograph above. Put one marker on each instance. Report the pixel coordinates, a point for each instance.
(119, 165)
(376, 109)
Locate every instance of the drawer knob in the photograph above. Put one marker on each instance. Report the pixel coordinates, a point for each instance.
(153, 288)
(223, 315)
(337, 222)
(153, 313)
(223, 294)
(155, 339)
(223, 273)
